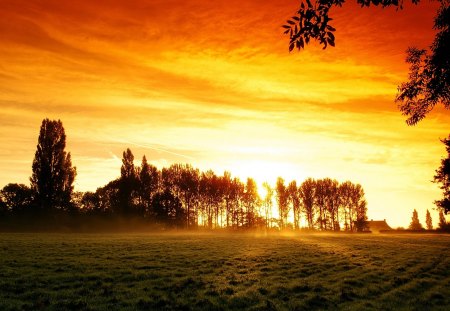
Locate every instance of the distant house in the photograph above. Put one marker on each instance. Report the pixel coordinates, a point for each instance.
(378, 225)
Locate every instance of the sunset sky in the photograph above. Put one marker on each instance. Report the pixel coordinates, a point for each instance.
(211, 83)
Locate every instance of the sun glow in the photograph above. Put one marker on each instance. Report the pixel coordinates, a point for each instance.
(220, 96)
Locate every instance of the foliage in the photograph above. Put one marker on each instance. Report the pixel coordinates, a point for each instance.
(443, 224)
(429, 221)
(282, 200)
(17, 197)
(181, 196)
(429, 78)
(415, 223)
(53, 174)
(128, 186)
(307, 195)
(311, 21)
(443, 178)
(168, 210)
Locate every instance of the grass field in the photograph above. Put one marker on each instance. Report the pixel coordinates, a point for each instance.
(217, 271)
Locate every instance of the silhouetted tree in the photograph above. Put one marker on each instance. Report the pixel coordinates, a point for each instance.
(361, 216)
(251, 200)
(211, 195)
(415, 223)
(294, 198)
(148, 185)
(443, 225)
(108, 197)
(226, 184)
(17, 198)
(443, 178)
(320, 196)
(90, 203)
(358, 207)
(168, 210)
(189, 189)
(237, 198)
(429, 221)
(429, 79)
(346, 193)
(282, 200)
(331, 203)
(53, 175)
(307, 194)
(267, 203)
(128, 186)
(3, 208)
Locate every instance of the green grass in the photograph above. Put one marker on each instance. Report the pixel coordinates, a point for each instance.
(217, 271)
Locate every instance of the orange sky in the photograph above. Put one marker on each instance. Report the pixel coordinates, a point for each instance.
(212, 83)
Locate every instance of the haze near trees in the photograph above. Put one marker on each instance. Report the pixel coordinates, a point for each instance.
(178, 196)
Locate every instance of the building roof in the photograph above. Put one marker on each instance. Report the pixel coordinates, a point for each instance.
(378, 225)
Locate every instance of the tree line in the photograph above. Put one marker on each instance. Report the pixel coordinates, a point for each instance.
(184, 197)
(179, 196)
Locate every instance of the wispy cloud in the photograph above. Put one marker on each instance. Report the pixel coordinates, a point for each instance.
(212, 83)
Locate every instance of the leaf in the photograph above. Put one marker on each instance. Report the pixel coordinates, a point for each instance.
(286, 26)
(296, 18)
(286, 32)
(291, 46)
(290, 22)
(331, 28)
(330, 35)
(330, 42)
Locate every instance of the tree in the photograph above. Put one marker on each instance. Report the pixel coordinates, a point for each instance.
(311, 21)
(429, 78)
(282, 200)
(251, 200)
(320, 196)
(358, 208)
(443, 178)
(361, 216)
(267, 203)
(415, 223)
(307, 194)
(294, 198)
(17, 198)
(168, 209)
(128, 185)
(429, 221)
(148, 184)
(211, 195)
(52, 172)
(442, 222)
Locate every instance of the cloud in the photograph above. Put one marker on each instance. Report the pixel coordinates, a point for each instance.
(212, 83)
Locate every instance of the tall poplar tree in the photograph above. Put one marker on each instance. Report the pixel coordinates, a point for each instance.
(52, 172)
(429, 221)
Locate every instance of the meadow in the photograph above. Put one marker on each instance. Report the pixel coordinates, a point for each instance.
(186, 271)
